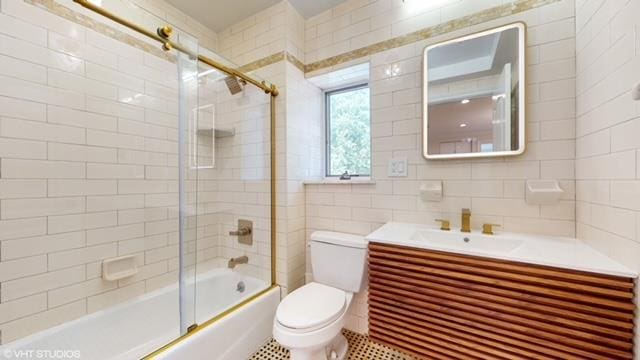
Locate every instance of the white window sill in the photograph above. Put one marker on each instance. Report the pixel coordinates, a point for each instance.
(337, 181)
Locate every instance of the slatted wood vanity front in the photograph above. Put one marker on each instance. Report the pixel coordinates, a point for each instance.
(440, 305)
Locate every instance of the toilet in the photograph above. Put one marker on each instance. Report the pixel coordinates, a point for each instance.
(309, 321)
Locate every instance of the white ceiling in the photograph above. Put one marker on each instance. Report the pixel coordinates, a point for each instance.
(220, 14)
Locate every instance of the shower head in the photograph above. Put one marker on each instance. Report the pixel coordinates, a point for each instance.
(233, 84)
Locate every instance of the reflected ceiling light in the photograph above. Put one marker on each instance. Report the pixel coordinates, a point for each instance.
(465, 101)
(463, 125)
(96, 2)
(206, 72)
(414, 6)
(393, 70)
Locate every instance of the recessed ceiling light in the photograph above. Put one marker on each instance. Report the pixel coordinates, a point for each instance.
(465, 101)
(463, 125)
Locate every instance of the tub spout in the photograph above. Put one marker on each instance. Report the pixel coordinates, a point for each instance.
(239, 260)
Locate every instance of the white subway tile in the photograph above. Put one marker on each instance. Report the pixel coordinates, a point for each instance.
(40, 55)
(67, 223)
(23, 208)
(16, 189)
(36, 130)
(115, 77)
(69, 258)
(67, 152)
(110, 298)
(80, 118)
(39, 169)
(22, 109)
(23, 30)
(81, 84)
(22, 149)
(63, 295)
(16, 309)
(19, 268)
(114, 171)
(18, 248)
(113, 234)
(11, 229)
(22, 70)
(114, 202)
(57, 187)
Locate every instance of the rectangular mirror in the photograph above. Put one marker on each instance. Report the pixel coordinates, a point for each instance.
(474, 104)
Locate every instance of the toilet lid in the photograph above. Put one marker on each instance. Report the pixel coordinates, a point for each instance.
(310, 306)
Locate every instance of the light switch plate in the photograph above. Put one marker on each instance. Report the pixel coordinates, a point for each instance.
(397, 167)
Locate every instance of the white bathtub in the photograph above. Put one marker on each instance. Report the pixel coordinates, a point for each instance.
(141, 325)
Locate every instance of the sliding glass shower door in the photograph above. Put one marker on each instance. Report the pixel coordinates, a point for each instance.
(188, 78)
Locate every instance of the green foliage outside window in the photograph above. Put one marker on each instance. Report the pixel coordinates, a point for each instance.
(349, 132)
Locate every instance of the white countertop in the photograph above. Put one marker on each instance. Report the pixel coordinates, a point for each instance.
(567, 253)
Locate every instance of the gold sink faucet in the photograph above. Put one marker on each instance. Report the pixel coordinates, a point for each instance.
(466, 221)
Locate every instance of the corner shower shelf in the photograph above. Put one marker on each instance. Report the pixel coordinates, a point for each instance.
(218, 133)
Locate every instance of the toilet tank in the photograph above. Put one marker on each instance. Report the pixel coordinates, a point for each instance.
(339, 260)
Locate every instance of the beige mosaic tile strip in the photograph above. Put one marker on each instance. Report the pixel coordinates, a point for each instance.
(55, 8)
(426, 33)
(265, 61)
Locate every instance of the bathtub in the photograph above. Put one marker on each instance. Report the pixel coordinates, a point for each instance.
(135, 328)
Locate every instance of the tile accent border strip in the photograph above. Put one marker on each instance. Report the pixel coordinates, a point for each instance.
(429, 32)
(56, 8)
(423, 34)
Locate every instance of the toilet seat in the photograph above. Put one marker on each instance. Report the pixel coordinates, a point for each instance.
(311, 307)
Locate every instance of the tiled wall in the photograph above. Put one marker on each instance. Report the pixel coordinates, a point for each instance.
(88, 167)
(275, 29)
(356, 24)
(608, 128)
(238, 187)
(492, 188)
(299, 133)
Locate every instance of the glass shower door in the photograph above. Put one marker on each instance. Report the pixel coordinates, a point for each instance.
(232, 153)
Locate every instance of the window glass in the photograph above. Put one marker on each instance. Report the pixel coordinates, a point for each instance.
(348, 131)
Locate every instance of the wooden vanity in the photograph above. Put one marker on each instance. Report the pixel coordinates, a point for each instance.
(444, 305)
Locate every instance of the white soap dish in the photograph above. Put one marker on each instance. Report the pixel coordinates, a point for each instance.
(431, 191)
(119, 268)
(543, 192)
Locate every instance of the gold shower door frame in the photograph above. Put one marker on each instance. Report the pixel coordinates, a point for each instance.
(163, 35)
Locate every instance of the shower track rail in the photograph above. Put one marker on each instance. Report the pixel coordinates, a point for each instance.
(162, 36)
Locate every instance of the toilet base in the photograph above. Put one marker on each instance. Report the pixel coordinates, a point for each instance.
(337, 349)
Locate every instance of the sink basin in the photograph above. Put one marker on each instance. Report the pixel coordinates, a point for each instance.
(456, 240)
(568, 253)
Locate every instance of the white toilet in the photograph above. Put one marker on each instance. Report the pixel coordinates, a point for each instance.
(309, 321)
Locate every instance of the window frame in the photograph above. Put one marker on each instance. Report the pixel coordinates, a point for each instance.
(327, 125)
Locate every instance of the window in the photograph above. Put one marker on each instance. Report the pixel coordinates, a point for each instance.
(348, 131)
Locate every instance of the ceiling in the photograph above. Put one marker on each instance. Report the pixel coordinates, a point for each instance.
(220, 14)
(481, 56)
(477, 115)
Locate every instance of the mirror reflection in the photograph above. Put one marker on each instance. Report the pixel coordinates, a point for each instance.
(474, 95)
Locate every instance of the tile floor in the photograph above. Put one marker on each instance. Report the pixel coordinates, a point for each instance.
(360, 348)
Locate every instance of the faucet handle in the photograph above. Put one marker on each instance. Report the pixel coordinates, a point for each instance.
(487, 229)
(444, 224)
